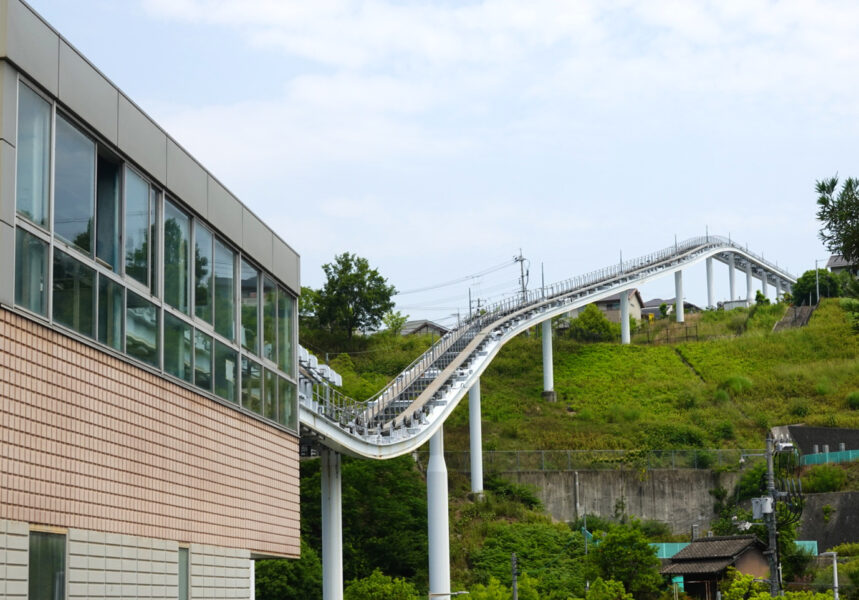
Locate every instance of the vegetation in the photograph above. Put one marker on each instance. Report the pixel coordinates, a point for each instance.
(805, 288)
(839, 216)
(353, 298)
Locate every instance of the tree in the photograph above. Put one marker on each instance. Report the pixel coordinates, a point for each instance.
(805, 287)
(495, 590)
(839, 215)
(288, 579)
(354, 297)
(625, 555)
(379, 586)
(394, 322)
(592, 326)
(608, 590)
(760, 299)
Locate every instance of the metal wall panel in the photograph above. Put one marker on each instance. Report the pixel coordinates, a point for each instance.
(142, 140)
(286, 265)
(225, 211)
(31, 44)
(186, 178)
(256, 239)
(88, 93)
(7, 265)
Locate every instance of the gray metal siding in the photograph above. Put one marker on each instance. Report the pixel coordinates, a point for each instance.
(88, 93)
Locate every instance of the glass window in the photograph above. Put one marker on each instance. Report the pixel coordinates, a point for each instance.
(270, 396)
(107, 214)
(226, 372)
(203, 360)
(141, 329)
(110, 307)
(74, 294)
(225, 275)
(177, 246)
(136, 227)
(31, 272)
(269, 319)
(287, 409)
(153, 236)
(74, 185)
(47, 566)
(33, 175)
(285, 330)
(203, 273)
(251, 386)
(177, 347)
(250, 308)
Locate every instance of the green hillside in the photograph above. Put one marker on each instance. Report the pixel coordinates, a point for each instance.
(716, 393)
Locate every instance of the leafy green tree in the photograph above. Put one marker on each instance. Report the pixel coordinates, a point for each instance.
(381, 500)
(806, 286)
(307, 308)
(592, 326)
(379, 586)
(839, 216)
(663, 310)
(354, 297)
(289, 579)
(610, 589)
(495, 590)
(394, 322)
(760, 299)
(625, 555)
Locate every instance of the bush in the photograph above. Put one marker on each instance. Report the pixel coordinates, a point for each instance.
(721, 396)
(592, 326)
(379, 586)
(824, 478)
(853, 400)
(735, 385)
(799, 408)
(725, 431)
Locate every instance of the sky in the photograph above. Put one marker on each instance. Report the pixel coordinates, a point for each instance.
(438, 139)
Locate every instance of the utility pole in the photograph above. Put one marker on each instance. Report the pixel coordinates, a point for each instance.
(521, 260)
(514, 566)
(770, 520)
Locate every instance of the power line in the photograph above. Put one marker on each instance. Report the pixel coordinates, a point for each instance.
(498, 267)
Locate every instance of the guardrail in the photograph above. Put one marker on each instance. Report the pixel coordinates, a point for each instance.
(516, 461)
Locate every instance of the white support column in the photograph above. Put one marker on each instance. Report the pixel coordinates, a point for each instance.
(750, 297)
(624, 317)
(731, 268)
(439, 531)
(710, 302)
(548, 369)
(764, 283)
(678, 296)
(476, 437)
(332, 526)
(252, 576)
(778, 289)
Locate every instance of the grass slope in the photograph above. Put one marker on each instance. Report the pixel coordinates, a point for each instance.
(723, 392)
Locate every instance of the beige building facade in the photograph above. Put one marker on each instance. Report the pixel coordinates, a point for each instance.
(148, 364)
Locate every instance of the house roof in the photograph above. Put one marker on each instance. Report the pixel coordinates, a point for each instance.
(410, 327)
(711, 554)
(838, 262)
(615, 297)
(806, 437)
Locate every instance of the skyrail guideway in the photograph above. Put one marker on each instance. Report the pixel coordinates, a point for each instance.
(412, 409)
(413, 406)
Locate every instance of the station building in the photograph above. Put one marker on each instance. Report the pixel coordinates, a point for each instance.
(148, 364)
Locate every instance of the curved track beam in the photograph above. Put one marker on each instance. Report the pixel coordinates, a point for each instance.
(413, 407)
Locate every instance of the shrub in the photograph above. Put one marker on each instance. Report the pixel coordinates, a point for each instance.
(846, 549)
(735, 385)
(721, 396)
(799, 408)
(853, 400)
(824, 478)
(725, 430)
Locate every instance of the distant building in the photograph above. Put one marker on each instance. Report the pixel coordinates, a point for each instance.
(838, 263)
(703, 562)
(814, 440)
(423, 327)
(651, 307)
(611, 306)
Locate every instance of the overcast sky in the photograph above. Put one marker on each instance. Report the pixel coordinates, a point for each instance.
(438, 138)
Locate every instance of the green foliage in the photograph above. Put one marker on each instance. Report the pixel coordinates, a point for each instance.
(737, 586)
(288, 579)
(838, 214)
(549, 552)
(602, 589)
(735, 385)
(521, 493)
(799, 407)
(823, 478)
(805, 288)
(663, 310)
(354, 296)
(495, 590)
(625, 555)
(760, 299)
(379, 586)
(394, 321)
(853, 400)
(724, 431)
(592, 326)
(827, 511)
(382, 499)
(846, 549)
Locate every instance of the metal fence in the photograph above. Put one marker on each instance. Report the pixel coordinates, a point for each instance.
(506, 461)
(825, 458)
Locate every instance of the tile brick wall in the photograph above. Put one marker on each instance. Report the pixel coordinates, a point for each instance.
(90, 441)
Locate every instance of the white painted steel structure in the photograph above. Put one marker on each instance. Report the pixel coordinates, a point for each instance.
(412, 408)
